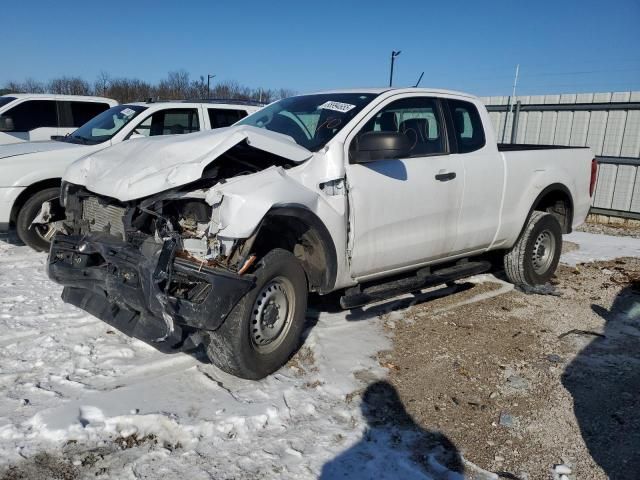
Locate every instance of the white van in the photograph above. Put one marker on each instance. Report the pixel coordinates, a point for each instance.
(27, 117)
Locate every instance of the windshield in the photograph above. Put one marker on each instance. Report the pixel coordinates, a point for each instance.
(311, 120)
(5, 100)
(103, 127)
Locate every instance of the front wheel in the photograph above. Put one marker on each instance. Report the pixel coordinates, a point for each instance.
(264, 328)
(535, 256)
(38, 236)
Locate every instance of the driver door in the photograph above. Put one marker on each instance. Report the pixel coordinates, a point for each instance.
(404, 211)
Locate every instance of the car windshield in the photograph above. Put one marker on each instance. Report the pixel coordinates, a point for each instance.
(311, 120)
(103, 127)
(5, 100)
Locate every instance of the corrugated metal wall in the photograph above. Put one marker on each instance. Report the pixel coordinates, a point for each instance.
(611, 128)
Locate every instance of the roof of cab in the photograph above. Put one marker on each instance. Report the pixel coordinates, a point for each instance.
(48, 96)
(379, 91)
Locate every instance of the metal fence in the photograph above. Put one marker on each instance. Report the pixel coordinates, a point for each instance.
(609, 123)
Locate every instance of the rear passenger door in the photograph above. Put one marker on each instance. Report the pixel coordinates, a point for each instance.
(171, 121)
(224, 117)
(484, 173)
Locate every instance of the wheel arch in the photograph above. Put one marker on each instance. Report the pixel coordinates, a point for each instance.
(548, 201)
(299, 230)
(30, 190)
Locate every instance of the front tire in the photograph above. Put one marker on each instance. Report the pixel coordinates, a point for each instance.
(37, 237)
(534, 258)
(263, 330)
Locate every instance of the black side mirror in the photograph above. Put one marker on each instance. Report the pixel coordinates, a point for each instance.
(372, 146)
(6, 124)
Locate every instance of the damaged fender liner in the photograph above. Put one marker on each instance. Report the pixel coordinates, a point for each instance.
(117, 283)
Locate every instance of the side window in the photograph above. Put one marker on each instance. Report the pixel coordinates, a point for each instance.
(223, 117)
(175, 121)
(82, 112)
(418, 118)
(468, 130)
(33, 114)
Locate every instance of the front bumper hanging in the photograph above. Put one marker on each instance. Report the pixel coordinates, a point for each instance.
(136, 290)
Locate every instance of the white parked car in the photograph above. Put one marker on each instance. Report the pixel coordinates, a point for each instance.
(30, 172)
(28, 117)
(215, 239)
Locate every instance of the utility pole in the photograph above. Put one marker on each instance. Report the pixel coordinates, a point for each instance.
(394, 54)
(511, 99)
(209, 77)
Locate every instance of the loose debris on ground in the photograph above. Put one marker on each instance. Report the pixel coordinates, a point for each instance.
(492, 376)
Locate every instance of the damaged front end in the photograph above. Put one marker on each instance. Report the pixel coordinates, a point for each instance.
(153, 268)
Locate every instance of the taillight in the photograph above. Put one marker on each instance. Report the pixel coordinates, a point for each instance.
(594, 176)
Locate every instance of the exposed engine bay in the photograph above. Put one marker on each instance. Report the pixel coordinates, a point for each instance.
(181, 214)
(158, 258)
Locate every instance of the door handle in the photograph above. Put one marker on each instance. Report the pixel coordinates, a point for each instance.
(443, 176)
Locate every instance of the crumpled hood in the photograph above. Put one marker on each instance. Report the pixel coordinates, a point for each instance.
(24, 148)
(141, 167)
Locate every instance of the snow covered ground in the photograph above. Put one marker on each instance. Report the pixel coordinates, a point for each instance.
(115, 408)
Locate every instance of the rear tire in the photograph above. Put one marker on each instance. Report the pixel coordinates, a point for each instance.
(36, 236)
(534, 258)
(263, 330)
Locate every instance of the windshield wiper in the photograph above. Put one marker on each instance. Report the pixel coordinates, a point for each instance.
(84, 140)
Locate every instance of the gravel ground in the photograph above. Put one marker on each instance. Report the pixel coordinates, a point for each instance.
(618, 230)
(516, 386)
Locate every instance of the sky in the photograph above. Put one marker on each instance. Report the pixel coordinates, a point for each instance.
(474, 46)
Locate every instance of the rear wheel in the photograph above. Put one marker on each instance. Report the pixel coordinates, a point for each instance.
(264, 329)
(38, 236)
(535, 256)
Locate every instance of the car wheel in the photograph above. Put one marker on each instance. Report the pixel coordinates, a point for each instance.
(37, 237)
(263, 330)
(535, 256)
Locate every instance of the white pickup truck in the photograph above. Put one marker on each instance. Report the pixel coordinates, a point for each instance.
(217, 238)
(30, 172)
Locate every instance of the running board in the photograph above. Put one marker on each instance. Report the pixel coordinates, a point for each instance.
(424, 278)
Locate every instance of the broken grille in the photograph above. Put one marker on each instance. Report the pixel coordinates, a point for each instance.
(103, 218)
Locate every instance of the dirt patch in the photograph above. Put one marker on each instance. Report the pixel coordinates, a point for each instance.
(499, 378)
(615, 229)
(41, 466)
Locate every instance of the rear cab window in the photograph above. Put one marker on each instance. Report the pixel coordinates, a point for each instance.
(77, 113)
(468, 131)
(224, 117)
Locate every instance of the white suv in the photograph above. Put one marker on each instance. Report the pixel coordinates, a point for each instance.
(30, 117)
(30, 172)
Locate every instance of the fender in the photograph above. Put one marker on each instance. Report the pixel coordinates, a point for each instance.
(554, 187)
(306, 216)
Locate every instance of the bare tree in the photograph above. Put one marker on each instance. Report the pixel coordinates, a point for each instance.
(69, 86)
(102, 83)
(130, 90)
(198, 88)
(177, 85)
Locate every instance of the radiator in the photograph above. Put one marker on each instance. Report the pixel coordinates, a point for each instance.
(103, 218)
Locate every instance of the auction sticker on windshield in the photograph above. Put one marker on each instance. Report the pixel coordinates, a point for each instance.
(127, 112)
(337, 106)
